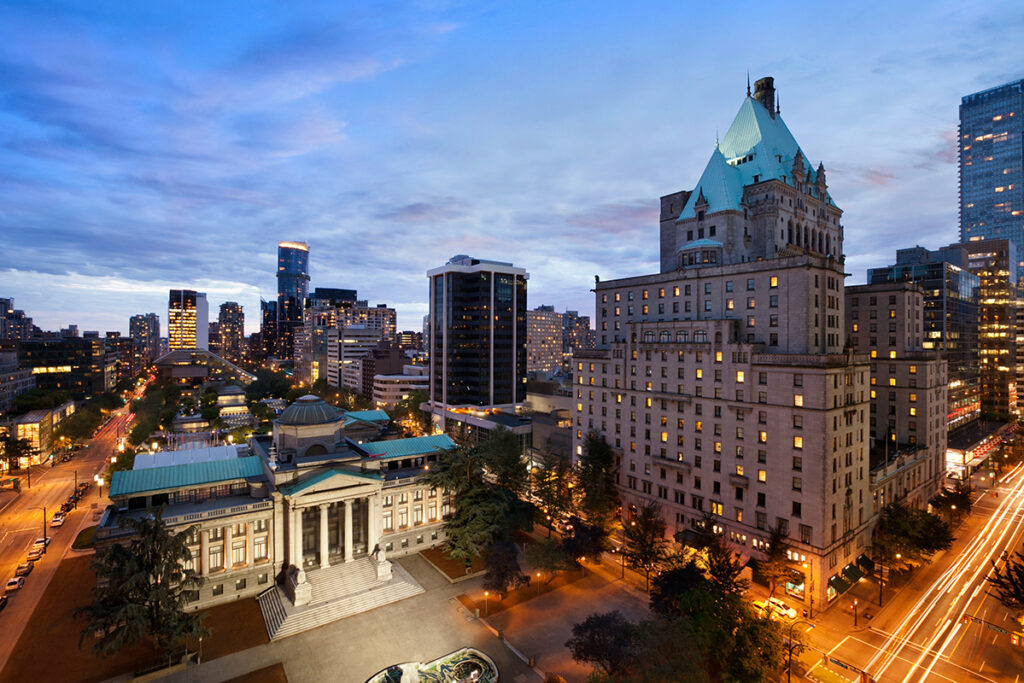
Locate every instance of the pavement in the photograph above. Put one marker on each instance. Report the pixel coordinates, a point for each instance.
(21, 523)
(418, 629)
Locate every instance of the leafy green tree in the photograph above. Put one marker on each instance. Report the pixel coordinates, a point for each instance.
(141, 590)
(668, 586)
(268, 384)
(945, 501)
(776, 567)
(1008, 581)
(503, 458)
(408, 409)
(14, 449)
(583, 539)
(549, 557)
(478, 521)
(503, 571)
(907, 537)
(552, 485)
(646, 547)
(604, 640)
(38, 399)
(723, 568)
(596, 477)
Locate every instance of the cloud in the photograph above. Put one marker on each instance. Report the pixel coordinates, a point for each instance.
(437, 210)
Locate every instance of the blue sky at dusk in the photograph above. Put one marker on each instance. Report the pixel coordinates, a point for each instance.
(151, 145)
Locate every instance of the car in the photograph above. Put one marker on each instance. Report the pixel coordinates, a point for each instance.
(43, 541)
(58, 520)
(3, 601)
(35, 554)
(782, 608)
(24, 569)
(15, 584)
(67, 507)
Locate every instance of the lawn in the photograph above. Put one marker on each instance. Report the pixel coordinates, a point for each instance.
(452, 569)
(235, 626)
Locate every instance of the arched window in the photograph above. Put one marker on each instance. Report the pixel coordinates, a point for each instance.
(665, 337)
(316, 449)
(649, 336)
(682, 336)
(700, 336)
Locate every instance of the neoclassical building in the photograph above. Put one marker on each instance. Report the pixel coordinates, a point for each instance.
(306, 518)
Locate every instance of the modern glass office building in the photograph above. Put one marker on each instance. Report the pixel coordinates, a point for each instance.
(292, 290)
(992, 166)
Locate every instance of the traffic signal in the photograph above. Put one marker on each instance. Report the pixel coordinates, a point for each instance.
(1015, 639)
(964, 619)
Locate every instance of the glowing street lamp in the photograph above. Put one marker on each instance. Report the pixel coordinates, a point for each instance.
(486, 603)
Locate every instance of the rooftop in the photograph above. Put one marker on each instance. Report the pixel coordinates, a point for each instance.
(407, 448)
(309, 410)
(132, 482)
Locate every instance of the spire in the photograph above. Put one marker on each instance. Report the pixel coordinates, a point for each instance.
(778, 107)
(748, 82)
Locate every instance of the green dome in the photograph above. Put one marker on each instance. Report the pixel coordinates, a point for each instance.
(309, 410)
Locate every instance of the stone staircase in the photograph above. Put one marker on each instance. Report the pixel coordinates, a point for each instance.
(338, 592)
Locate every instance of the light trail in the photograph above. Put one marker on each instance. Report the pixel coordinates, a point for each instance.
(972, 561)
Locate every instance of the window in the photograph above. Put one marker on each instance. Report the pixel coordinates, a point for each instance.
(762, 476)
(798, 400)
(739, 376)
(773, 282)
(237, 553)
(403, 518)
(798, 442)
(259, 525)
(388, 520)
(259, 548)
(218, 589)
(798, 484)
(750, 285)
(216, 558)
(240, 585)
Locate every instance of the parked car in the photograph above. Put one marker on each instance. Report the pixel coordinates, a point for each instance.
(782, 608)
(24, 569)
(67, 507)
(3, 602)
(41, 541)
(58, 520)
(35, 554)
(15, 584)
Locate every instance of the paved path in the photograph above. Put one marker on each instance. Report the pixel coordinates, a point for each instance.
(421, 628)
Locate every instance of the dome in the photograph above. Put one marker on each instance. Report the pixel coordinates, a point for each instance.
(309, 410)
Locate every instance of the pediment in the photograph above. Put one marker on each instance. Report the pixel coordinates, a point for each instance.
(331, 480)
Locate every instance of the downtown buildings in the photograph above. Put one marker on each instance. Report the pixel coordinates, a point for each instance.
(992, 167)
(187, 320)
(144, 329)
(231, 330)
(292, 290)
(722, 382)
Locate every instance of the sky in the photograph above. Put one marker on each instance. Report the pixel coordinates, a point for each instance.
(146, 146)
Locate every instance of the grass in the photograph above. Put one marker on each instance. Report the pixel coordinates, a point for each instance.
(234, 627)
(84, 538)
(453, 569)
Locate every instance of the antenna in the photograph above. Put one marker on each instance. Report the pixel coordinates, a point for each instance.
(748, 82)
(778, 106)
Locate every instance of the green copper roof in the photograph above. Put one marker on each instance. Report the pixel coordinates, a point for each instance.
(701, 244)
(406, 448)
(757, 145)
(132, 482)
(374, 416)
(324, 475)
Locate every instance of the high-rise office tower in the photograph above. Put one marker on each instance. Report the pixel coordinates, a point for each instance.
(478, 334)
(232, 331)
(292, 290)
(144, 329)
(268, 328)
(576, 332)
(14, 324)
(722, 383)
(543, 339)
(992, 166)
(187, 320)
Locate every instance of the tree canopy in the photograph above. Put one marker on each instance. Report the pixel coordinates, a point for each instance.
(596, 477)
(141, 590)
(907, 537)
(1008, 581)
(646, 547)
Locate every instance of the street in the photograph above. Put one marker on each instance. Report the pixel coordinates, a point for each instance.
(21, 523)
(921, 634)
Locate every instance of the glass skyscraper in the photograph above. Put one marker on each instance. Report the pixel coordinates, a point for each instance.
(992, 166)
(292, 290)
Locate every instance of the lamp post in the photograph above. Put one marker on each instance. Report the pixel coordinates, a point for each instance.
(538, 584)
(854, 605)
(789, 668)
(43, 508)
(486, 603)
(810, 588)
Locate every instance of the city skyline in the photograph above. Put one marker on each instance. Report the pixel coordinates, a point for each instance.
(139, 151)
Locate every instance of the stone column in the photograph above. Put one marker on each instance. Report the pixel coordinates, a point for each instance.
(372, 521)
(348, 530)
(229, 536)
(249, 556)
(295, 538)
(204, 552)
(324, 562)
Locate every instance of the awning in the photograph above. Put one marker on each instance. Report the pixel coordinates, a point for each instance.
(866, 564)
(852, 574)
(838, 585)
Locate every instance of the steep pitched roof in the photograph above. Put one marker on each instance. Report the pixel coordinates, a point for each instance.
(756, 145)
(720, 186)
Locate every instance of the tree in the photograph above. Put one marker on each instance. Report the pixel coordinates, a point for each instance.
(596, 476)
(38, 399)
(503, 457)
(15, 449)
(478, 521)
(604, 640)
(671, 584)
(724, 568)
(503, 571)
(646, 547)
(408, 410)
(584, 540)
(907, 537)
(776, 567)
(1008, 581)
(548, 556)
(552, 487)
(945, 501)
(142, 589)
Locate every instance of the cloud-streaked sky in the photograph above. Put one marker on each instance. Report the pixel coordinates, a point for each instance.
(150, 145)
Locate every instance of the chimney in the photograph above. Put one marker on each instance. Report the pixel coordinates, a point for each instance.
(764, 92)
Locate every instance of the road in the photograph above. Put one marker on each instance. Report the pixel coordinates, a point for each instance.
(922, 635)
(21, 524)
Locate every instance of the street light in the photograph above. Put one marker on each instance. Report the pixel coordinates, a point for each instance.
(538, 584)
(486, 604)
(854, 606)
(810, 588)
(789, 669)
